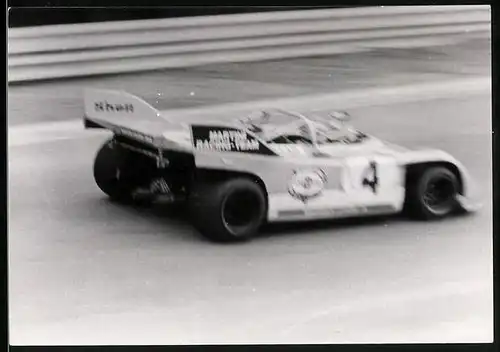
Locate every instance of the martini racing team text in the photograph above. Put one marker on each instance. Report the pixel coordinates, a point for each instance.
(227, 141)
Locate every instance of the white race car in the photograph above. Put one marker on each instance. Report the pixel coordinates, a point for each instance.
(271, 166)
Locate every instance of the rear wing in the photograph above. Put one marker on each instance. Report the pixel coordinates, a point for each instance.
(127, 115)
(110, 106)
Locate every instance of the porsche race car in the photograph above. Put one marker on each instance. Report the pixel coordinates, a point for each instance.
(272, 166)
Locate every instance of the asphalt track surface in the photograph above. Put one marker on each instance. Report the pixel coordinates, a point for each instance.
(83, 270)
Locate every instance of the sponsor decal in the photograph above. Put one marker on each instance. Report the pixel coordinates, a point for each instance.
(339, 212)
(348, 211)
(369, 209)
(226, 139)
(307, 184)
(134, 134)
(105, 106)
(288, 213)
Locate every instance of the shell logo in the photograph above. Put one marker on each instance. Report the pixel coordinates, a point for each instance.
(307, 184)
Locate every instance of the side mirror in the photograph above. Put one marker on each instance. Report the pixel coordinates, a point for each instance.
(341, 116)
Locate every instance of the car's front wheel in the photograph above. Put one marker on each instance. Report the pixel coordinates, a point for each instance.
(228, 211)
(432, 194)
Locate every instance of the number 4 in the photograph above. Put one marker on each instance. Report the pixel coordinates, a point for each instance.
(370, 178)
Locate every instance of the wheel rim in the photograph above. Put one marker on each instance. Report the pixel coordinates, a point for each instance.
(240, 210)
(439, 194)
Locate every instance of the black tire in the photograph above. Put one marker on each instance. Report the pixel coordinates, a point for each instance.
(111, 172)
(432, 194)
(228, 211)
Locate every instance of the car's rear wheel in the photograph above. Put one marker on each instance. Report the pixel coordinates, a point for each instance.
(114, 172)
(228, 211)
(432, 194)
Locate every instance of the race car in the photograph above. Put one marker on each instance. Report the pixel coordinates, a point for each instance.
(274, 165)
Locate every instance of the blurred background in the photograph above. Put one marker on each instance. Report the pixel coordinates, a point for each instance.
(23, 15)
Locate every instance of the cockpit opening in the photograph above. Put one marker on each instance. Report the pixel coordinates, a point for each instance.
(284, 127)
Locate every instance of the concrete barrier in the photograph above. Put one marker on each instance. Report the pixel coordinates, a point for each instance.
(127, 46)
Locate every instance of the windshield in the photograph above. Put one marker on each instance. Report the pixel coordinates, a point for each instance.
(271, 118)
(277, 126)
(329, 130)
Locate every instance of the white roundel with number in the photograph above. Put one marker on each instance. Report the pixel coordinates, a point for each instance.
(307, 184)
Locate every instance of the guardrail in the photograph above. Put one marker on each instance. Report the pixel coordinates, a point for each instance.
(127, 46)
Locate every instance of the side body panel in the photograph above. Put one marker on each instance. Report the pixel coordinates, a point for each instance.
(304, 187)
